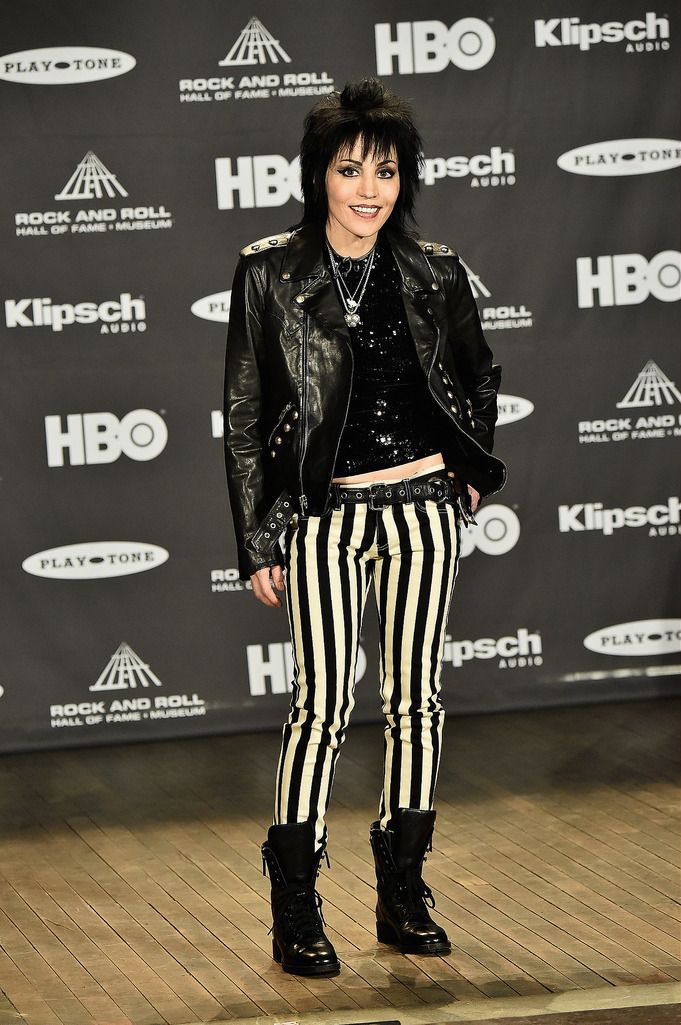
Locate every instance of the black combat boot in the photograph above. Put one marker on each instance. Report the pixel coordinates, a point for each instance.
(298, 940)
(401, 913)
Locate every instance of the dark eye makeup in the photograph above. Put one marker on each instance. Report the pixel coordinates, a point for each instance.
(386, 172)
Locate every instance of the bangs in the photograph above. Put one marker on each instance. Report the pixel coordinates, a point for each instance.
(378, 142)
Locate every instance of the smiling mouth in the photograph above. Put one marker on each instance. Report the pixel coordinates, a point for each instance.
(365, 211)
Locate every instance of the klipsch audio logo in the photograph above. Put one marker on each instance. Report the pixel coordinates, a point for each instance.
(92, 438)
(497, 318)
(651, 388)
(482, 170)
(90, 183)
(262, 181)
(125, 670)
(213, 307)
(622, 157)
(114, 316)
(271, 670)
(662, 520)
(422, 47)
(255, 47)
(638, 35)
(64, 65)
(496, 533)
(642, 637)
(516, 651)
(628, 279)
(95, 560)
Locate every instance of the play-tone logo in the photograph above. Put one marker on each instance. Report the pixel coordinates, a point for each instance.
(262, 181)
(622, 156)
(641, 637)
(254, 47)
(95, 560)
(273, 665)
(628, 279)
(115, 316)
(496, 533)
(640, 36)
(662, 520)
(650, 388)
(482, 170)
(515, 651)
(64, 65)
(125, 670)
(91, 181)
(425, 47)
(213, 307)
(97, 438)
(511, 408)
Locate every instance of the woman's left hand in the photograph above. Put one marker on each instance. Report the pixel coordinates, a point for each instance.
(475, 497)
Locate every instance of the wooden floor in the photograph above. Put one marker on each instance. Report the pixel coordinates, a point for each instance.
(131, 886)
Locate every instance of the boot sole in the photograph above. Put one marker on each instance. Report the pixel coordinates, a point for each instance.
(317, 972)
(386, 934)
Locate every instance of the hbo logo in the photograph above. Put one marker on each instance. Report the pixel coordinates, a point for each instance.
(102, 437)
(427, 46)
(628, 279)
(257, 181)
(497, 531)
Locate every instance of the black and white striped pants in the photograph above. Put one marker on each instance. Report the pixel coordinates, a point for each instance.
(410, 551)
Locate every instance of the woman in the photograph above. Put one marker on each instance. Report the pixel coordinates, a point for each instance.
(360, 403)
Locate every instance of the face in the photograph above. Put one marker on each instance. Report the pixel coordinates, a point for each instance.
(361, 194)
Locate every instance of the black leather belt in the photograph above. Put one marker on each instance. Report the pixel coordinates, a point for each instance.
(379, 494)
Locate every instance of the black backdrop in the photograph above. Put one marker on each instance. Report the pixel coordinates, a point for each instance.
(143, 144)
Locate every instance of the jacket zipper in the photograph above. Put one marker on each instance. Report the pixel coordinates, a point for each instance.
(345, 418)
(278, 424)
(303, 417)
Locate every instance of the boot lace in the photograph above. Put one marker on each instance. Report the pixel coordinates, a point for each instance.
(301, 909)
(410, 895)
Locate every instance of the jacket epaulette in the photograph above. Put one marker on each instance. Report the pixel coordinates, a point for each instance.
(436, 248)
(268, 242)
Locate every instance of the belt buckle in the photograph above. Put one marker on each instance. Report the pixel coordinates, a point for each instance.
(372, 489)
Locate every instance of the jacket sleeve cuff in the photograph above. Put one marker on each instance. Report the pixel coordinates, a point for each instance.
(250, 562)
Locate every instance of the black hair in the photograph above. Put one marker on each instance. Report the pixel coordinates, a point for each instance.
(384, 121)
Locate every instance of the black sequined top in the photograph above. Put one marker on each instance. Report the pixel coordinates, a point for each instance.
(391, 416)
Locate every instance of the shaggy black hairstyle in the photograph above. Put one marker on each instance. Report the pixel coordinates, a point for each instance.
(384, 121)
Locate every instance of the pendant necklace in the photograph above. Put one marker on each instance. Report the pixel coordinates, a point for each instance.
(351, 300)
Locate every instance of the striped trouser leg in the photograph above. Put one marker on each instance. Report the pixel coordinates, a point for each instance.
(329, 563)
(414, 582)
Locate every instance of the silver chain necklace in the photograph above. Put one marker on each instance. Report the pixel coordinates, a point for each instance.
(351, 300)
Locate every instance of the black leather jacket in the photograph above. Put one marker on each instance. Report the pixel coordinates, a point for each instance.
(289, 367)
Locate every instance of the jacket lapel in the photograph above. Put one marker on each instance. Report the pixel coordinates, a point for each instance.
(424, 305)
(304, 262)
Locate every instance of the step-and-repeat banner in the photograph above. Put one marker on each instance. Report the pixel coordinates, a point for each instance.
(144, 143)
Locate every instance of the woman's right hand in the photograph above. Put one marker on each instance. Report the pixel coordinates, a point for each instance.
(263, 586)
